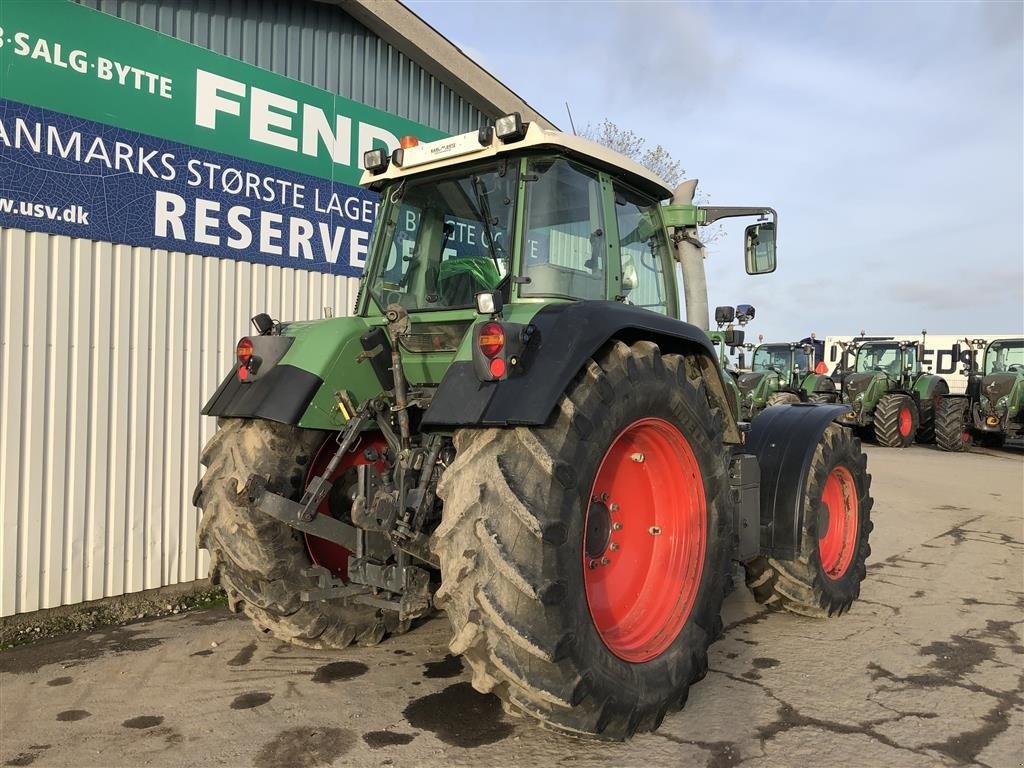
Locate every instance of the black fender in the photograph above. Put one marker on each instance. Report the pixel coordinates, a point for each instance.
(565, 336)
(784, 438)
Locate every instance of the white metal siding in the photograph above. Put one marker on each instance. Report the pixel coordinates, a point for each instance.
(107, 354)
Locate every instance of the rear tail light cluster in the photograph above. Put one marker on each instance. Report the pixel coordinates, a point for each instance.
(498, 348)
(246, 362)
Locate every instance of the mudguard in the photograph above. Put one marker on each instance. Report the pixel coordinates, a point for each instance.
(566, 335)
(784, 438)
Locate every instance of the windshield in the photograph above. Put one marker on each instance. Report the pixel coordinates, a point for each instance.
(1005, 357)
(445, 239)
(879, 357)
(772, 358)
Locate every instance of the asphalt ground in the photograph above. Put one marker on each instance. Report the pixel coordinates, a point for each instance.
(927, 669)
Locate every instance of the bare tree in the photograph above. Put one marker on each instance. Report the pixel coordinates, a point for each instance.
(656, 159)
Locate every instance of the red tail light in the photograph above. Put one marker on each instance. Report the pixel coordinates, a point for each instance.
(244, 349)
(492, 339)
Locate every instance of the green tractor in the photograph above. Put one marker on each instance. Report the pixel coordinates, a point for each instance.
(780, 374)
(992, 409)
(515, 428)
(888, 392)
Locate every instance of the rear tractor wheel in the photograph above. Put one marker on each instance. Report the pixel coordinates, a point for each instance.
(952, 432)
(258, 560)
(896, 421)
(825, 578)
(583, 562)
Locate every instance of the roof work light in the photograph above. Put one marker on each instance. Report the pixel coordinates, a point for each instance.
(510, 128)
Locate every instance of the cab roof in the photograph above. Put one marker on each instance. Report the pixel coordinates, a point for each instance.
(466, 148)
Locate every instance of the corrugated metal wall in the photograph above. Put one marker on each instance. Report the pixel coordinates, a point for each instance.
(108, 352)
(312, 42)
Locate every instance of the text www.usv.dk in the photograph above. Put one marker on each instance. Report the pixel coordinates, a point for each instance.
(73, 214)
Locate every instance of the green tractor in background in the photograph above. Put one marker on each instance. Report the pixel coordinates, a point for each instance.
(783, 373)
(516, 428)
(888, 392)
(992, 409)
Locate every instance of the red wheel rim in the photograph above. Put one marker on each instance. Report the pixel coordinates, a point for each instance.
(331, 556)
(839, 542)
(645, 539)
(906, 422)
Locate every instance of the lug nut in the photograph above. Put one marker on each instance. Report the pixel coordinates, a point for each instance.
(616, 526)
(605, 561)
(637, 457)
(654, 530)
(613, 546)
(613, 508)
(604, 497)
(592, 564)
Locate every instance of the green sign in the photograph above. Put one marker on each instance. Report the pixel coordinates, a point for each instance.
(70, 59)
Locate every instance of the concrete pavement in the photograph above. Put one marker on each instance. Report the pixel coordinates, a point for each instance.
(927, 669)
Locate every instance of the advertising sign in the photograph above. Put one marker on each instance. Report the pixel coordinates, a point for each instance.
(113, 132)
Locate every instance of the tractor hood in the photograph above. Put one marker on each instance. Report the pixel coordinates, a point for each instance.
(998, 385)
(859, 383)
(748, 382)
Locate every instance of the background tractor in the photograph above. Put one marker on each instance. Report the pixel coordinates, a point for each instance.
(888, 392)
(783, 373)
(992, 409)
(514, 427)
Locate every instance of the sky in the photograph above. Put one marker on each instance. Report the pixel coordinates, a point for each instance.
(888, 136)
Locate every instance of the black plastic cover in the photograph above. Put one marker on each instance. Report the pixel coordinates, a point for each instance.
(784, 439)
(283, 395)
(565, 336)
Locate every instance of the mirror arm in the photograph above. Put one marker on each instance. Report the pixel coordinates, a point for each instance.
(711, 214)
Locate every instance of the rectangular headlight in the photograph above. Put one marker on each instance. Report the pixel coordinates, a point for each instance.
(375, 160)
(510, 127)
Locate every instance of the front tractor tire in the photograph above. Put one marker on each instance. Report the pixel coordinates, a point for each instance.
(896, 421)
(583, 562)
(782, 398)
(952, 432)
(825, 578)
(259, 560)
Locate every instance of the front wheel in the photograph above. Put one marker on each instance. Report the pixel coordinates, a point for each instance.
(952, 431)
(896, 421)
(583, 562)
(825, 578)
(782, 398)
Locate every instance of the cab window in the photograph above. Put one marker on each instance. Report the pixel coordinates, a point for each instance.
(565, 242)
(642, 250)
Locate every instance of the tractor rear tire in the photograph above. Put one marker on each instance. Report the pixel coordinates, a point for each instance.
(259, 560)
(825, 578)
(822, 397)
(896, 421)
(524, 516)
(951, 429)
(782, 398)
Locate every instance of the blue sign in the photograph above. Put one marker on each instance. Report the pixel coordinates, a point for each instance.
(74, 177)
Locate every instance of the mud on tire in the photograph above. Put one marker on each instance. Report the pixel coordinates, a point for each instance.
(511, 550)
(782, 398)
(803, 585)
(259, 560)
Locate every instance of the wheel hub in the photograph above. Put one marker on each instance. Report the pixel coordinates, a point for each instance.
(599, 530)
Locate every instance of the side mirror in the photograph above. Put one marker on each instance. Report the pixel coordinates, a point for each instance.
(759, 248)
(745, 312)
(733, 338)
(724, 315)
